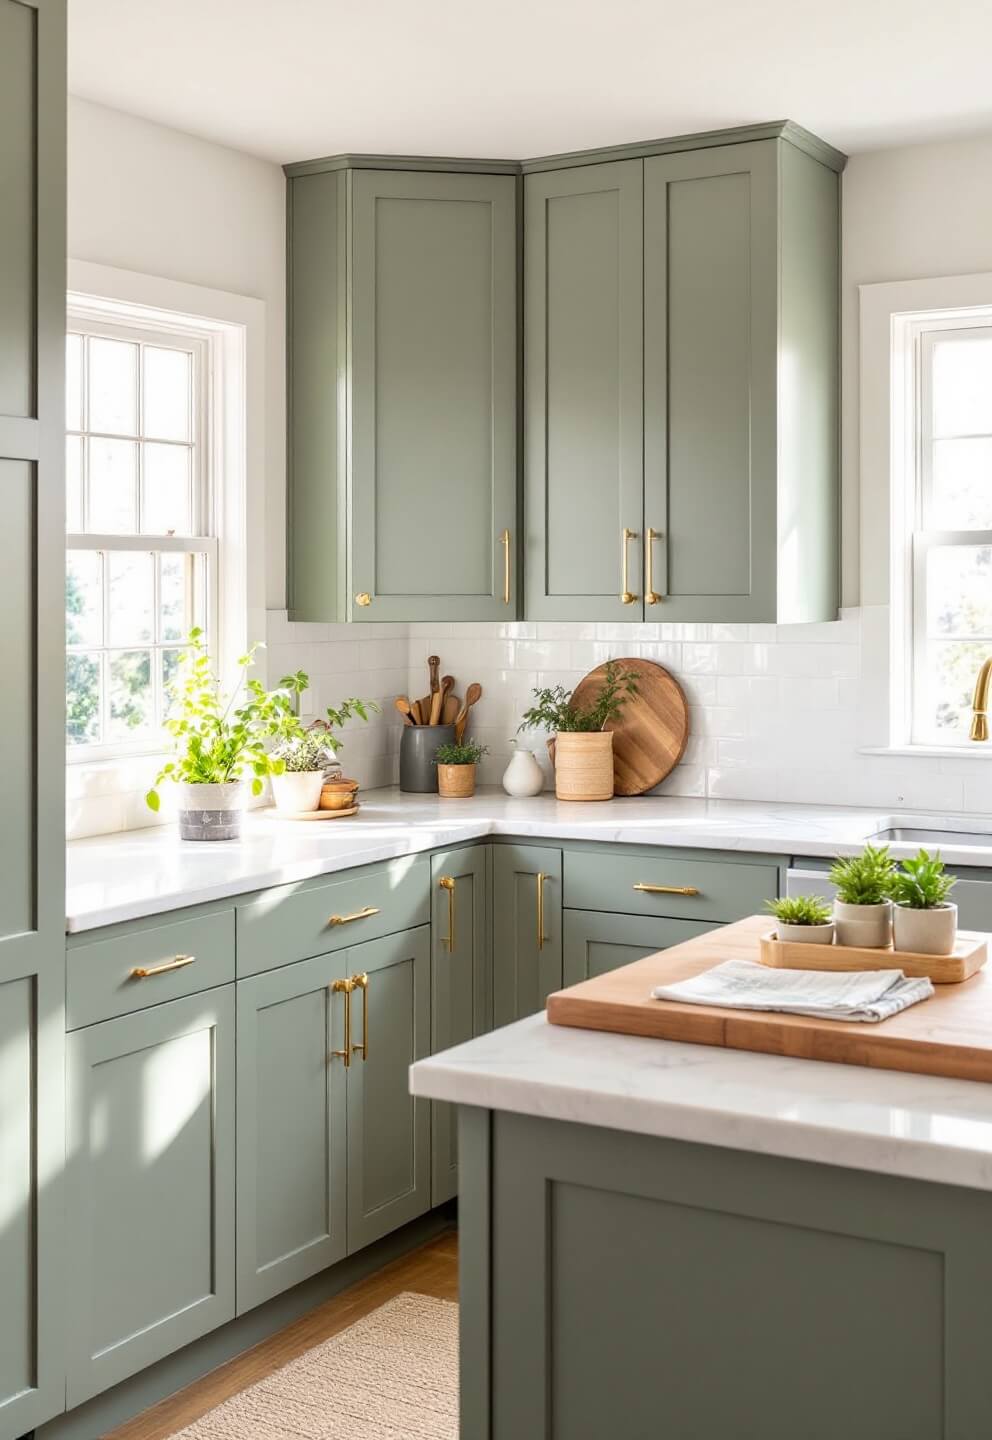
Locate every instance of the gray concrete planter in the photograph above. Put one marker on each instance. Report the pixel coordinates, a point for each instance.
(211, 812)
(926, 932)
(869, 926)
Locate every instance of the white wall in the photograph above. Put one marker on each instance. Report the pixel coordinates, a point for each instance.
(146, 198)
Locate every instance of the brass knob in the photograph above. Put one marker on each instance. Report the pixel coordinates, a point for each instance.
(363, 598)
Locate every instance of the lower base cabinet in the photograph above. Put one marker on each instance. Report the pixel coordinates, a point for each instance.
(595, 943)
(150, 1187)
(527, 890)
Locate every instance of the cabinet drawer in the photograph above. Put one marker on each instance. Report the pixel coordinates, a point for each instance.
(691, 889)
(178, 958)
(287, 923)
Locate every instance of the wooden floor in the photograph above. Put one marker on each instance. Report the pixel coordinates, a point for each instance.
(431, 1270)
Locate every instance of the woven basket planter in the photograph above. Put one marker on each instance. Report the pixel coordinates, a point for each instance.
(456, 782)
(584, 765)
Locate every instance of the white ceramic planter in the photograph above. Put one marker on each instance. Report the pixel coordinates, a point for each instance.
(523, 776)
(926, 932)
(211, 812)
(297, 789)
(867, 926)
(806, 934)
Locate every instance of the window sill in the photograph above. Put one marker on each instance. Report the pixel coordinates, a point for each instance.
(974, 751)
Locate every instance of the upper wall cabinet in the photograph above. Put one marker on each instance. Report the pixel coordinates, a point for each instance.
(681, 452)
(403, 324)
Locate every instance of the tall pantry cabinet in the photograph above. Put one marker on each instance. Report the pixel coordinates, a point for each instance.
(32, 561)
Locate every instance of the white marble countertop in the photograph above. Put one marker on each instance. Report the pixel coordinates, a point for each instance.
(910, 1125)
(146, 872)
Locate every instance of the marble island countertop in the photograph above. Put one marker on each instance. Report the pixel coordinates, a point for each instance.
(914, 1126)
(126, 876)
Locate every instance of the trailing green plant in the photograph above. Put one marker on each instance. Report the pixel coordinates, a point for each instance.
(864, 879)
(465, 752)
(922, 883)
(554, 709)
(800, 910)
(218, 738)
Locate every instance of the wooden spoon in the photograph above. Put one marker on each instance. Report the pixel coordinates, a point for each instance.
(472, 697)
(404, 707)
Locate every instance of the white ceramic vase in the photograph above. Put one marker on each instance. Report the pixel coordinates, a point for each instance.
(806, 934)
(926, 932)
(297, 789)
(211, 812)
(523, 776)
(866, 926)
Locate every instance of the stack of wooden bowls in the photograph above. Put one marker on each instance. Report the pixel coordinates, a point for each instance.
(339, 794)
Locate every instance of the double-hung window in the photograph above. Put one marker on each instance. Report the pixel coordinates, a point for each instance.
(950, 550)
(141, 563)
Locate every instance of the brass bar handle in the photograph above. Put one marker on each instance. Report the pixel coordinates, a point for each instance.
(504, 540)
(651, 596)
(358, 915)
(344, 987)
(626, 535)
(667, 889)
(447, 882)
(145, 972)
(361, 982)
(541, 937)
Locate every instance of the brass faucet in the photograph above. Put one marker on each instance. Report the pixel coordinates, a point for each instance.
(980, 703)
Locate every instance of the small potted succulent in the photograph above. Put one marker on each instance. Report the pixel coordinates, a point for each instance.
(925, 920)
(863, 907)
(803, 917)
(581, 746)
(456, 764)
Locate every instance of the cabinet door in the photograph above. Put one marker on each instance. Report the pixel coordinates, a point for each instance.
(292, 1196)
(595, 943)
(710, 381)
(461, 984)
(150, 1187)
(389, 1178)
(32, 658)
(526, 953)
(433, 387)
(583, 402)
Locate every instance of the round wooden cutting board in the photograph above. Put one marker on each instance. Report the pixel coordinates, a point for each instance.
(650, 737)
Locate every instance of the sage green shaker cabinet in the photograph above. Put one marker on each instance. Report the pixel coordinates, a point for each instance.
(596, 942)
(527, 888)
(461, 983)
(150, 1187)
(403, 379)
(583, 384)
(32, 582)
(292, 1149)
(389, 1132)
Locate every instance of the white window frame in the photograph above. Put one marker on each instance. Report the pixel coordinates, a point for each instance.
(231, 331)
(894, 480)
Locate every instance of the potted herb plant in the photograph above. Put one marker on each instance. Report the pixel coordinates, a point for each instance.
(803, 917)
(582, 747)
(456, 764)
(863, 907)
(925, 921)
(299, 761)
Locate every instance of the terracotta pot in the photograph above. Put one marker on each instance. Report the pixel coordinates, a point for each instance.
(584, 765)
(926, 932)
(456, 782)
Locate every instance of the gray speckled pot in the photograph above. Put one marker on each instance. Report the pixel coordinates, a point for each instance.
(211, 812)
(418, 746)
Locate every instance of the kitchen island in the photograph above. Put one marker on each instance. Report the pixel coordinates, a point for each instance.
(671, 1240)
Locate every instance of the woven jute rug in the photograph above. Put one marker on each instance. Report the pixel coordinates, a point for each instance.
(391, 1376)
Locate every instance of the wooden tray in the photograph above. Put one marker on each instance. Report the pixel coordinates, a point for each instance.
(650, 737)
(949, 1034)
(274, 814)
(970, 954)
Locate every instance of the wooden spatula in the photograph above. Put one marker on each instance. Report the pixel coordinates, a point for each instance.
(433, 666)
(472, 697)
(439, 697)
(450, 709)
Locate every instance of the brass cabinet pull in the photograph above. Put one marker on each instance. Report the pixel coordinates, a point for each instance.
(667, 889)
(651, 596)
(504, 540)
(447, 882)
(344, 987)
(361, 982)
(626, 536)
(145, 972)
(541, 937)
(363, 598)
(358, 915)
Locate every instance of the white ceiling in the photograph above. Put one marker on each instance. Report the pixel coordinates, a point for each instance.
(294, 79)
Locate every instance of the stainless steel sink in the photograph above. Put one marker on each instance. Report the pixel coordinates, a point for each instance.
(911, 835)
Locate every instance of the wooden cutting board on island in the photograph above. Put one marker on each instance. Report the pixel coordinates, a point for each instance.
(949, 1034)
